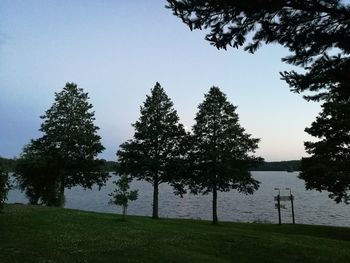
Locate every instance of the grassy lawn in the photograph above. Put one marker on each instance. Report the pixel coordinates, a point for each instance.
(42, 234)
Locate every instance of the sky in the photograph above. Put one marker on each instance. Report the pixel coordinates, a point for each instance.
(116, 51)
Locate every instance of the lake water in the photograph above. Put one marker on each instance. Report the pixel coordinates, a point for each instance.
(311, 207)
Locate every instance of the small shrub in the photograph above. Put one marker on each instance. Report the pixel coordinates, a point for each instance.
(121, 195)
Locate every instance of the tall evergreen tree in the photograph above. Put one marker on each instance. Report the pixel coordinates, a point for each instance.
(65, 155)
(328, 166)
(156, 149)
(317, 34)
(221, 150)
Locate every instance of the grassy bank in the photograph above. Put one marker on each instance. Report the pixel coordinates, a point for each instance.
(41, 234)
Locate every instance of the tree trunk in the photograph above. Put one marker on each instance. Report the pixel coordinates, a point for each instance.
(215, 197)
(124, 212)
(155, 198)
(55, 194)
(61, 199)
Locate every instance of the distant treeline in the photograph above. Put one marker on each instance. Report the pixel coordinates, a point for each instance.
(289, 166)
(110, 166)
(9, 165)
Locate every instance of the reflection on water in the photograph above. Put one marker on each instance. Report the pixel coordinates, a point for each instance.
(311, 207)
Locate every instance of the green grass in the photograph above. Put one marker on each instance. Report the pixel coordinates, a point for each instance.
(42, 234)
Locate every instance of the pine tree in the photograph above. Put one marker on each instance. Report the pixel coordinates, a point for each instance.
(65, 155)
(328, 166)
(156, 149)
(221, 150)
(121, 195)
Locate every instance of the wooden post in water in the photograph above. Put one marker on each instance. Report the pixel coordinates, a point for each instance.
(292, 203)
(279, 205)
(279, 209)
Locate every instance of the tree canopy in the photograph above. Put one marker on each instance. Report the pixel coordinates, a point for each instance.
(317, 34)
(221, 150)
(156, 148)
(65, 155)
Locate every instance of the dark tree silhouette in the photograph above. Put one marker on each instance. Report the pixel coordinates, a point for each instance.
(65, 155)
(317, 34)
(221, 150)
(34, 174)
(328, 167)
(4, 186)
(156, 149)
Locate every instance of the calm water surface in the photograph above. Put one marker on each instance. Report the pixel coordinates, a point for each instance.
(311, 207)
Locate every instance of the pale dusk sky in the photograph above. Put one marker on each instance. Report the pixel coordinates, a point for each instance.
(117, 51)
